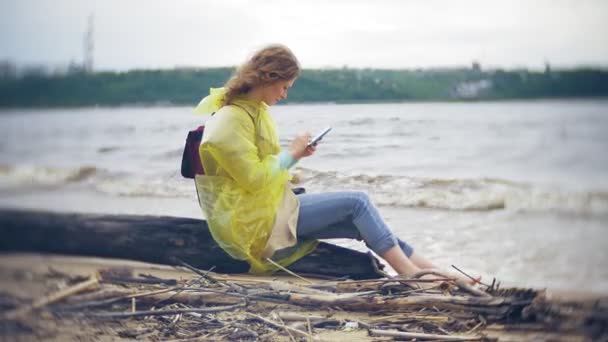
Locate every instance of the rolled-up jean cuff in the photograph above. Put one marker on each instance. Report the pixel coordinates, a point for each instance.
(407, 249)
(383, 245)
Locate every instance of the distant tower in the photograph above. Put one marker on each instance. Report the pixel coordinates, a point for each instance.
(547, 68)
(89, 44)
(476, 66)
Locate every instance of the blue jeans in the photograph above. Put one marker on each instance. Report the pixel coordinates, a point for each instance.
(351, 215)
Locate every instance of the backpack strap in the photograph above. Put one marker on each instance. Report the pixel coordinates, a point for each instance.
(246, 111)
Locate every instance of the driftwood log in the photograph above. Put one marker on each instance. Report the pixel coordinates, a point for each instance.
(157, 239)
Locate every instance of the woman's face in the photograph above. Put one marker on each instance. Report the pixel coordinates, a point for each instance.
(276, 92)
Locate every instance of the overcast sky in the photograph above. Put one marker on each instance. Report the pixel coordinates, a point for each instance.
(132, 34)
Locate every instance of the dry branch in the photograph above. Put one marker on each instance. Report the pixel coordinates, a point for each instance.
(391, 333)
(20, 312)
(165, 312)
(279, 326)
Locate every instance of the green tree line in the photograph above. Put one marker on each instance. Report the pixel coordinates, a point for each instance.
(188, 86)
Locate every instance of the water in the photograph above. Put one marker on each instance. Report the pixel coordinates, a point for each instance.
(513, 190)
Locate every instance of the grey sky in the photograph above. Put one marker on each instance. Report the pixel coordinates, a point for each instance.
(323, 33)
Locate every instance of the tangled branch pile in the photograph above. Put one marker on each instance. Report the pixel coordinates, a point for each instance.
(211, 306)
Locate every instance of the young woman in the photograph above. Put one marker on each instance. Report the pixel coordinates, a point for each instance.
(245, 194)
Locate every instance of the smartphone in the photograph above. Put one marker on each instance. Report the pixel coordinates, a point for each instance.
(318, 138)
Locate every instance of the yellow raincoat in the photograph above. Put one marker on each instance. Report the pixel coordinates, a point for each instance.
(243, 190)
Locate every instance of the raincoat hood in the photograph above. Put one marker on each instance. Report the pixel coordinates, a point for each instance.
(217, 99)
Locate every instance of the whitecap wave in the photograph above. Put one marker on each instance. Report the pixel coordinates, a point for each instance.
(360, 121)
(482, 194)
(43, 176)
(28, 178)
(160, 187)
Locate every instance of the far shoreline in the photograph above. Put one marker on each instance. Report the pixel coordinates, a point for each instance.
(162, 104)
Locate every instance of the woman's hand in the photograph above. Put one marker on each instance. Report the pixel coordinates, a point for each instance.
(299, 146)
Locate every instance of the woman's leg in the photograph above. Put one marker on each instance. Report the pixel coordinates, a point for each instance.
(422, 262)
(399, 261)
(352, 215)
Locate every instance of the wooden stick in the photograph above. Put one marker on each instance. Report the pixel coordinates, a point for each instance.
(476, 281)
(278, 285)
(391, 303)
(205, 337)
(122, 295)
(288, 332)
(433, 318)
(474, 328)
(127, 280)
(357, 285)
(292, 316)
(463, 285)
(288, 271)
(277, 325)
(248, 296)
(196, 270)
(309, 329)
(192, 339)
(393, 333)
(165, 312)
(17, 313)
(396, 279)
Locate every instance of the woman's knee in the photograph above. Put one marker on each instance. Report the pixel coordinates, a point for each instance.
(361, 199)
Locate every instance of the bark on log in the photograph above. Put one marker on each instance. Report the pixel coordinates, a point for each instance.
(157, 239)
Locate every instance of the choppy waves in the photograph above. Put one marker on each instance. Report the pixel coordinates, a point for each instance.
(87, 178)
(41, 176)
(482, 194)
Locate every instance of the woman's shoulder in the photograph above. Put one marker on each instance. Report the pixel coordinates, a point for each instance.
(231, 110)
(227, 111)
(238, 111)
(232, 114)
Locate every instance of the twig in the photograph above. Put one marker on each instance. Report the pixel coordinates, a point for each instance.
(204, 337)
(434, 318)
(420, 290)
(309, 329)
(277, 299)
(191, 339)
(474, 328)
(292, 316)
(164, 312)
(461, 283)
(393, 333)
(493, 284)
(127, 280)
(178, 291)
(196, 270)
(397, 279)
(277, 325)
(112, 300)
(288, 332)
(476, 281)
(14, 314)
(288, 271)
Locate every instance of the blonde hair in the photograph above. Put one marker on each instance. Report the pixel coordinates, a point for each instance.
(268, 65)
